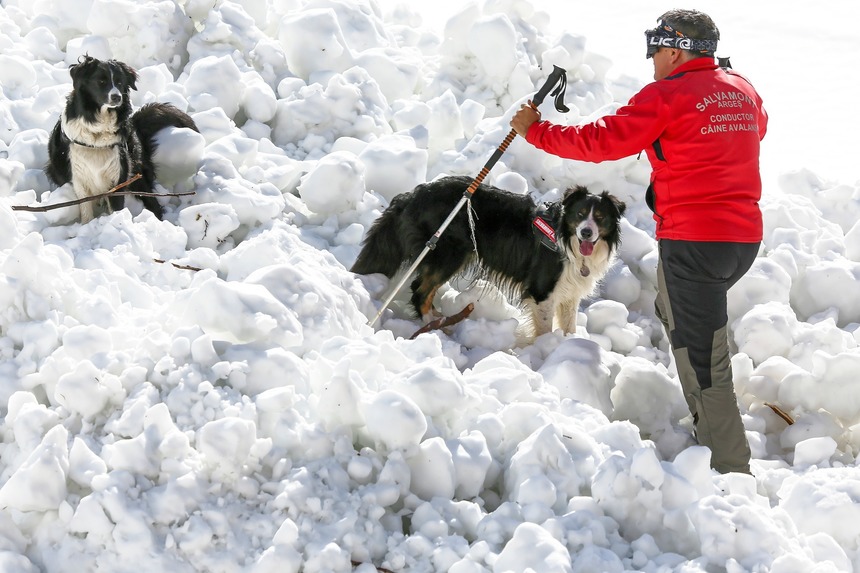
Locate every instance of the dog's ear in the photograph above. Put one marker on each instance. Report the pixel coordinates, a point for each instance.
(617, 203)
(574, 194)
(130, 73)
(83, 63)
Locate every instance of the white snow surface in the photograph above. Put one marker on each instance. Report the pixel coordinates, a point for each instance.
(204, 393)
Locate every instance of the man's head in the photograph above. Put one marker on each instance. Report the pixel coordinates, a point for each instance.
(680, 36)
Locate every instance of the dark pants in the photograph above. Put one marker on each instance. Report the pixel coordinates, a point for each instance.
(693, 279)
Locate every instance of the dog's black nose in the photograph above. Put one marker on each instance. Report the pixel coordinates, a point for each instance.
(586, 233)
(115, 99)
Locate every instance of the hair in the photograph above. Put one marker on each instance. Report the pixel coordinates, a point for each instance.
(693, 24)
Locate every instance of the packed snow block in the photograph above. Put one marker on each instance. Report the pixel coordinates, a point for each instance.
(609, 318)
(825, 502)
(396, 74)
(215, 82)
(543, 472)
(19, 77)
(337, 390)
(141, 33)
(29, 147)
(86, 390)
(208, 225)
(334, 185)
(393, 421)
(393, 165)
(799, 229)
(645, 395)
(178, 155)
(267, 370)
(814, 452)
(579, 368)
(226, 444)
(444, 126)
(10, 174)
(39, 484)
(837, 203)
(326, 299)
(91, 519)
(432, 470)
(829, 385)
(314, 41)
(328, 39)
(567, 53)
(312, 117)
(766, 282)
(435, 387)
(829, 285)
(472, 463)
(493, 41)
(84, 464)
(532, 544)
(219, 185)
(852, 242)
(238, 313)
(765, 331)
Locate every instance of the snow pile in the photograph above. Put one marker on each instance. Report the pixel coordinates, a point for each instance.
(204, 393)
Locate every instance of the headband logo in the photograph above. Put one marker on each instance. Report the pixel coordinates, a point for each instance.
(663, 42)
(682, 43)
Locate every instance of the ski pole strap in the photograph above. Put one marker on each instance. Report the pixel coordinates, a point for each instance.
(557, 79)
(559, 94)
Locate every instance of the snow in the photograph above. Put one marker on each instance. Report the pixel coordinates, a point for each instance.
(204, 393)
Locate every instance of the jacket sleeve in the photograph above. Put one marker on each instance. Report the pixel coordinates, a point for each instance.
(631, 129)
(762, 120)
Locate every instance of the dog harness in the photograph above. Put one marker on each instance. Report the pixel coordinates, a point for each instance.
(544, 230)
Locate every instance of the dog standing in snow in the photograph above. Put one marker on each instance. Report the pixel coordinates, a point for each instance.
(99, 143)
(548, 258)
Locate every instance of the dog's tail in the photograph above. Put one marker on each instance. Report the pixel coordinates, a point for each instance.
(153, 117)
(381, 251)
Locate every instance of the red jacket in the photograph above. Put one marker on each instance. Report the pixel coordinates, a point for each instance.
(700, 128)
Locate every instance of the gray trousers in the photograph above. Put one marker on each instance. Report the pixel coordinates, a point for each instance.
(693, 279)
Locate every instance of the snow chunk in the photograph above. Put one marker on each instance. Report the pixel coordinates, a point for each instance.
(335, 184)
(39, 484)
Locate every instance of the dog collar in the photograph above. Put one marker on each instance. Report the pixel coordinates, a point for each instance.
(544, 230)
(82, 144)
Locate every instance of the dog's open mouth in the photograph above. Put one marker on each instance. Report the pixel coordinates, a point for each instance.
(586, 248)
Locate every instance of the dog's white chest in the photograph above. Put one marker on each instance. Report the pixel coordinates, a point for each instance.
(94, 171)
(94, 153)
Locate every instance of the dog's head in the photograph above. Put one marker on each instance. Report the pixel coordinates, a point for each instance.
(106, 84)
(589, 218)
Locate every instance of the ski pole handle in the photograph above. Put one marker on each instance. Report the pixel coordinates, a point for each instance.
(555, 78)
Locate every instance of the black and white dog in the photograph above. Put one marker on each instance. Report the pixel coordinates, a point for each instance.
(549, 257)
(98, 143)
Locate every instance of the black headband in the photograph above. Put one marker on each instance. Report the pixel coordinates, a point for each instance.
(665, 36)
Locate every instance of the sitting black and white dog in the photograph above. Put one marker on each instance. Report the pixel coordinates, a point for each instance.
(549, 257)
(98, 143)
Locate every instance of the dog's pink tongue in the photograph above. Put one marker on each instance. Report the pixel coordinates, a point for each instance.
(586, 248)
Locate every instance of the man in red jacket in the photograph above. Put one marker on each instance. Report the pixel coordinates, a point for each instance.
(700, 126)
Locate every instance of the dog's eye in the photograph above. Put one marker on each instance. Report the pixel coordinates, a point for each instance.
(598, 216)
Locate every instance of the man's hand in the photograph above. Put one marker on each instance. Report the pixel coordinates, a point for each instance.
(524, 118)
